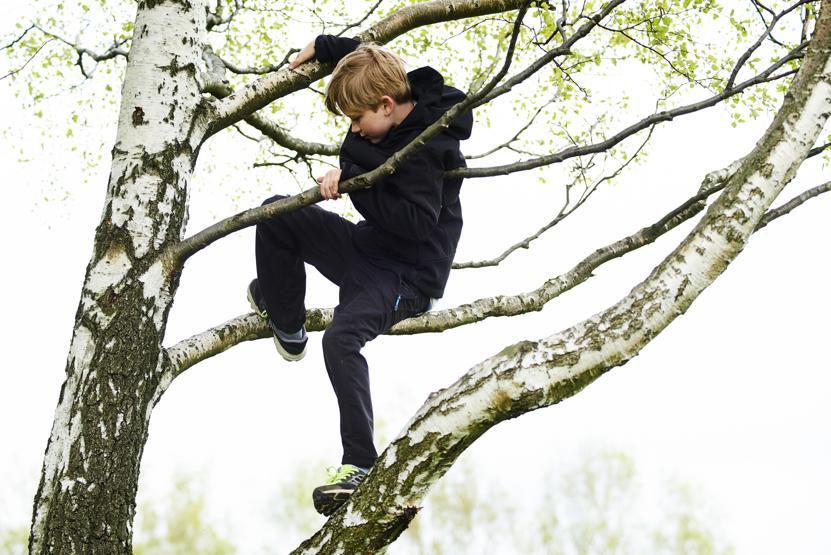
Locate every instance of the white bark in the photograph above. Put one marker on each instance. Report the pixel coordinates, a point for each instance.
(114, 360)
(117, 369)
(116, 365)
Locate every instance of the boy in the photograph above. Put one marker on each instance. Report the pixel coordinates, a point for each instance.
(390, 266)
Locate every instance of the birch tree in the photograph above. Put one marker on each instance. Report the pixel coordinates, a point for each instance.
(186, 77)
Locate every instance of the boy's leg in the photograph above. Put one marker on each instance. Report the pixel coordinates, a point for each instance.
(371, 301)
(352, 326)
(283, 244)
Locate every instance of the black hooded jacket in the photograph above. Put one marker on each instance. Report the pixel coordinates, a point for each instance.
(413, 217)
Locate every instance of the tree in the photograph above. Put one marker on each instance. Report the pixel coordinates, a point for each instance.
(175, 97)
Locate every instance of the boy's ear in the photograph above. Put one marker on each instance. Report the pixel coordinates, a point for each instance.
(387, 103)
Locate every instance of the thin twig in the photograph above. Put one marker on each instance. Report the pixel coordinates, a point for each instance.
(774, 213)
(560, 216)
(243, 70)
(758, 5)
(20, 38)
(507, 144)
(359, 23)
(744, 57)
(571, 152)
(21, 68)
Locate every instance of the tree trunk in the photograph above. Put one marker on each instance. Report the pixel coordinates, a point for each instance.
(86, 497)
(117, 369)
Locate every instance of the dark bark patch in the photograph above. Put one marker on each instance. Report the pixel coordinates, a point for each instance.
(517, 350)
(681, 288)
(171, 112)
(173, 68)
(150, 4)
(565, 360)
(757, 193)
(138, 117)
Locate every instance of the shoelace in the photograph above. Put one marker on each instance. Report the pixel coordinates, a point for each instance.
(344, 474)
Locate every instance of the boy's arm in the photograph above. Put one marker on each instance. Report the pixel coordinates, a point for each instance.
(329, 48)
(325, 48)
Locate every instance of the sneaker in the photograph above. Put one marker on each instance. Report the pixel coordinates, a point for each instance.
(342, 482)
(256, 300)
(290, 349)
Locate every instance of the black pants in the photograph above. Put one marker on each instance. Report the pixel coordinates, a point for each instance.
(372, 299)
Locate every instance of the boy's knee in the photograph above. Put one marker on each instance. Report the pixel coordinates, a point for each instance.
(272, 222)
(337, 339)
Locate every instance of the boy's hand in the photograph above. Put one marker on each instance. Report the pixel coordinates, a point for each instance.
(304, 55)
(329, 184)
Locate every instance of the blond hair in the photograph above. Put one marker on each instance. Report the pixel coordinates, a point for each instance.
(362, 77)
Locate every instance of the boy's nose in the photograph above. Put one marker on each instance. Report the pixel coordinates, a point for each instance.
(355, 127)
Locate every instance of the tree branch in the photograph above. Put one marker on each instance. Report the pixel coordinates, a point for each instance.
(744, 57)
(112, 52)
(190, 351)
(280, 136)
(215, 19)
(179, 252)
(655, 51)
(757, 4)
(561, 215)
(818, 150)
(32, 57)
(246, 101)
(247, 327)
(215, 83)
(667, 115)
(551, 55)
(360, 21)
(19, 38)
(530, 375)
(770, 216)
(242, 70)
(507, 144)
(798, 200)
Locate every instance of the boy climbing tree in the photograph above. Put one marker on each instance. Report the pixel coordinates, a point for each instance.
(392, 265)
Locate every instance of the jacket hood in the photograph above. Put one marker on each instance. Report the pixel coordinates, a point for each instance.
(433, 98)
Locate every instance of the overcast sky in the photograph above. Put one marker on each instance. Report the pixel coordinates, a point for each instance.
(732, 397)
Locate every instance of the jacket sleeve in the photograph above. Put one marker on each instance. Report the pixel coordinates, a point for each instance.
(408, 202)
(329, 48)
(348, 167)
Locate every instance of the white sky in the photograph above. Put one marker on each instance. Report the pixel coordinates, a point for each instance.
(732, 397)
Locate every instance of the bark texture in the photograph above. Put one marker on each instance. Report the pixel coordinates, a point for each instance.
(86, 497)
(117, 369)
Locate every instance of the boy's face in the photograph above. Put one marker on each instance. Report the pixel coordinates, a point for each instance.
(373, 125)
